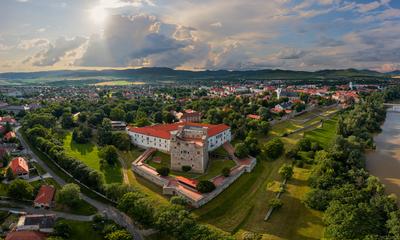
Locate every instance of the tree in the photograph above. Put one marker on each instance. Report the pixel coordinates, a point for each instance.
(241, 150)
(117, 114)
(205, 186)
(119, 235)
(105, 132)
(272, 149)
(275, 203)
(178, 200)
(67, 121)
(62, 229)
(109, 153)
(163, 171)
(121, 140)
(20, 189)
(286, 171)
(226, 172)
(9, 174)
(69, 195)
(304, 144)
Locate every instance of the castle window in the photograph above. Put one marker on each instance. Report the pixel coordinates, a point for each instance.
(198, 152)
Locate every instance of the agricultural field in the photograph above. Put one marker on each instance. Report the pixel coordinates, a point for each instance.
(119, 83)
(88, 154)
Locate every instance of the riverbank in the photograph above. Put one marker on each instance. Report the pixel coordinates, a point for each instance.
(384, 162)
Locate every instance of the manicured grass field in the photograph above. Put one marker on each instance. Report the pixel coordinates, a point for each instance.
(88, 153)
(82, 230)
(325, 134)
(215, 168)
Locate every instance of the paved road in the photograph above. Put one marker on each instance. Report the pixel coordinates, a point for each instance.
(109, 211)
(30, 209)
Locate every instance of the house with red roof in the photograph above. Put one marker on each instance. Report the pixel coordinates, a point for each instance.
(5, 120)
(9, 136)
(188, 115)
(45, 196)
(25, 235)
(20, 167)
(254, 117)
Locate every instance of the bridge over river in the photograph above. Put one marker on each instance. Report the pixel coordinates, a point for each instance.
(393, 107)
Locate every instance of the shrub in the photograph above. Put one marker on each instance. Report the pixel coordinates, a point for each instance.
(163, 171)
(275, 203)
(226, 172)
(205, 186)
(186, 168)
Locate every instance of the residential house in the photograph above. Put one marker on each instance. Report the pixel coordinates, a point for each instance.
(188, 115)
(5, 120)
(43, 223)
(19, 167)
(9, 136)
(45, 196)
(25, 235)
(253, 117)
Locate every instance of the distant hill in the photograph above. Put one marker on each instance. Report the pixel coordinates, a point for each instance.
(163, 74)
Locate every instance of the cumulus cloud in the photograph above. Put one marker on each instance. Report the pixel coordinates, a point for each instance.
(128, 40)
(55, 51)
(291, 53)
(33, 43)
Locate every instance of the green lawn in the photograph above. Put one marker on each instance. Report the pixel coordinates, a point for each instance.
(88, 153)
(325, 134)
(137, 181)
(215, 168)
(242, 207)
(82, 230)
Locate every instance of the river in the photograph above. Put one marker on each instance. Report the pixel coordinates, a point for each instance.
(384, 162)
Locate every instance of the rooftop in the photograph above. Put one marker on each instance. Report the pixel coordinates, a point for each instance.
(164, 130)
(45, 195)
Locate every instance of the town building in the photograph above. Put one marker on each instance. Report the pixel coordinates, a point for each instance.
(188, 143)
(188, 115)
(26, 235)
(5, 120)
(20, 167)
(159, 136)
(9, 136)
(45, 196)
(37, 222)
(118, 125)
(189, 148)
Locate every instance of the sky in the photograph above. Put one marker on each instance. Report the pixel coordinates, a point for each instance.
(307, 35)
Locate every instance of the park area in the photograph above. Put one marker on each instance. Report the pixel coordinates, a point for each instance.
(88, 154)
(242, 207)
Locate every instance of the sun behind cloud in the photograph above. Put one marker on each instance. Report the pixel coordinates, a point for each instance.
(98, 14)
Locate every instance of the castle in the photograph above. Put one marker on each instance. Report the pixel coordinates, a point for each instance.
(188, 143)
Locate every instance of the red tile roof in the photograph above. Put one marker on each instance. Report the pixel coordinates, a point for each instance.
(25, 235)
(164, 130)
(253, 116)
(19, 165)
(45, 195)
(9, 136)
(7, 119)
(190, 182)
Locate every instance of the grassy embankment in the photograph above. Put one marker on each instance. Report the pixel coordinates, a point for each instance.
(242, 206)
